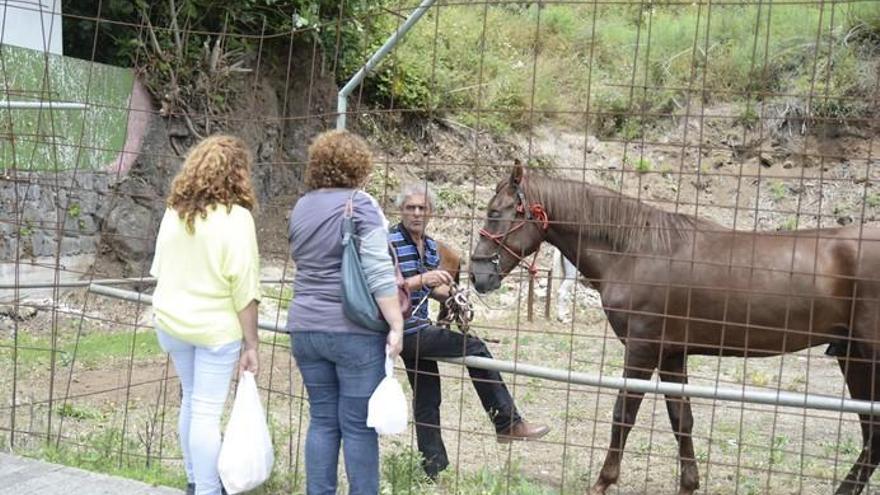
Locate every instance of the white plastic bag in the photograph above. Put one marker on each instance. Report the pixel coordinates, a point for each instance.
(246, 456)
(387, 410)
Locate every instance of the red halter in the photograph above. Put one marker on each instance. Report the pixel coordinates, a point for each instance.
(535, 213)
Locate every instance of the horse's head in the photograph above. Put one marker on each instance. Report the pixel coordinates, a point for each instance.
(514, 229)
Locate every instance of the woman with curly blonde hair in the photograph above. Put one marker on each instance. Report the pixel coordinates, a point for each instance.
(207, 265)
(340, 361)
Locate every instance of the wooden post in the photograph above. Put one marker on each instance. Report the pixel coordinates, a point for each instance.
(549, 294)
(531, 302)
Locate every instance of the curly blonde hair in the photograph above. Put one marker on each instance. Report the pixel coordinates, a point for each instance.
(216, 171)
(338, 159)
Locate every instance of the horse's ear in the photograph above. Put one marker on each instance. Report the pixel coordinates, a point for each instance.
(516, 175)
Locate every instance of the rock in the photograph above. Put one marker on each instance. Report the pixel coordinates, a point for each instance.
(8, 241)
(43, 242)
(591, 299)
(130, 232)
(78, 245)
(20, 312)
(266, 151)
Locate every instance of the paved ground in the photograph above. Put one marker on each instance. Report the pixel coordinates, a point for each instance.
(19, 476)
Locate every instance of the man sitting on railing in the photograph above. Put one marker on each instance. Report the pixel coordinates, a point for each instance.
(419, 261)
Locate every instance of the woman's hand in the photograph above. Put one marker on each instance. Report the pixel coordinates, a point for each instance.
(390, 308)
(248, 318)
(249, 361)
(394, 343)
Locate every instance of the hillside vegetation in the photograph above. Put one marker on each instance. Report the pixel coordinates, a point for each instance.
(617, 67)
(630, 64)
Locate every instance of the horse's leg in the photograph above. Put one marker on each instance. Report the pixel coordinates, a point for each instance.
(674, 369)
(450, 262)
(862, 381)
(625, 410)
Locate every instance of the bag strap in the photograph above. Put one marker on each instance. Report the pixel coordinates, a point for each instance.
(348, 219)
(348, 212)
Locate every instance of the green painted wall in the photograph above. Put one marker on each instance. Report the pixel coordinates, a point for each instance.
(54, 139)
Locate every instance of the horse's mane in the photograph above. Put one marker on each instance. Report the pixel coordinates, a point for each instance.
(625, 223)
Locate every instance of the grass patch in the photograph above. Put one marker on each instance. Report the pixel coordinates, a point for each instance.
(777, 450)
(401, 472)
(748, 117)
(449, 197)
(754, 377)
(72, 411)
(847, 447)
(778, 190)
(489, 481)
(789, 224)
(100, 452)
(643, 166)
(94, 348)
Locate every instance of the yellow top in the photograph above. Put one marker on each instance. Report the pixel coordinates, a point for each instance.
(206, 278)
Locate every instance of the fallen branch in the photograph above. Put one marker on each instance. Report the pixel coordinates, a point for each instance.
(190, 126)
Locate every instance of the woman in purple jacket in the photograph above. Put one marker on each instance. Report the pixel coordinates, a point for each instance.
(341, 362)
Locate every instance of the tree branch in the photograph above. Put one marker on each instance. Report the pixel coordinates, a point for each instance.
(176, 30)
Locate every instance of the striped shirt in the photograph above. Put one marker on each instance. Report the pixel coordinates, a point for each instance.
(412, 264)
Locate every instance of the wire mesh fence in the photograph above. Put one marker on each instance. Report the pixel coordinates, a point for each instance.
(647, 132)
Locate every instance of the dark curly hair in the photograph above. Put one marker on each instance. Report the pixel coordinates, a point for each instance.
(338, 159)
(217, 171)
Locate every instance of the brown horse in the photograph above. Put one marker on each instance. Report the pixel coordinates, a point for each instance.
(450, 261)
(674, 285)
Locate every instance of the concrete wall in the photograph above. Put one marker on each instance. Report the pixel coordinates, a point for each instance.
(34, 24)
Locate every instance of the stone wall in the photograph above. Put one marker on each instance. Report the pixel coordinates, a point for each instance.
(43, 211)
(51, 227)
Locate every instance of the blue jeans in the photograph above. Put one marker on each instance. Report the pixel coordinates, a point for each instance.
(204, 373)
(340, 372)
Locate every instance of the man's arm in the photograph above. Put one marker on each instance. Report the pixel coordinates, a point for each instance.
(441, 292)
(432, 280)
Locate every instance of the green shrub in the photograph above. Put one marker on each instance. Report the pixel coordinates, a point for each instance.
(778, 190)
(643, 165)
